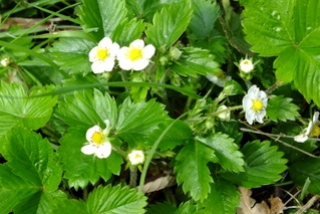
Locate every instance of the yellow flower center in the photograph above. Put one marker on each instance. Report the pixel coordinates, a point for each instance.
(102, 53)
(134, 54)
(137, 156)
(257, 105)
(246, 62)
(315, 132)
(97, 138)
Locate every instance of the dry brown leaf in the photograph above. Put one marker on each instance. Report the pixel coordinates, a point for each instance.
(249, 206)
(276, 205)
(159, 184)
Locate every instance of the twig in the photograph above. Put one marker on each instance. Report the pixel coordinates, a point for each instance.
(307, 205)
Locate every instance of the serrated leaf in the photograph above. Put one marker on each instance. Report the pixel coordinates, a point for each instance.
(82, 109)
(192, 170)
(104, 15)
(224, 196)
(116, 199)
(204, 16)
(169, 24)
(195, 61)
(30, 175)
(128, 31)
(72, 54)
(82, 169)
(70, 206)
(280, 108)
(136, 121)
(226, 151)
(20, 109)
(307, 168)
(290, 31)
(264, 164)
(187, 207)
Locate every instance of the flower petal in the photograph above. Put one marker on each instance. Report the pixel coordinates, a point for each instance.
(139, 43)
(301, 138)
(148, 51)
(104, 150)
(140, 65)
(105, 42)
(88, 149)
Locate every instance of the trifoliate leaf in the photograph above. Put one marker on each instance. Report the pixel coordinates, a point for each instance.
(264, 164)
(280, 108)
(82, 109)
(224, 196)
(169, 24)
(226, 151)
(21, 109)
(31, 174)
(81, 169)
(192, 170)
(195, 61)
(116, 199)
(104, 15)
(137, 121)
(128, 31)
(72, 54)
(307, 168)
(203, 18)
(290, 31)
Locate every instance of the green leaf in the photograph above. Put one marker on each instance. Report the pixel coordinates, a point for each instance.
(169, 24)
(72, 54)
(21, 109)
(116, 199)
(136, 121)
(264, 164)
(128, 31)
(290, 31)
(204, 16)
(187, 207)
(280, 108)
(224, 196)
(160, 208)
(31, 174)
(192, 170)
(81, 169)
(195, 61)
(82, 109)
(307, 168)
(104, 15)
(70, 206)
(226, 150)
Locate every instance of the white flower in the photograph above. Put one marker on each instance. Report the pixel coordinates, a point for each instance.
(136, 157)
(136, 56)
(254, 104)
(103, 56)
(246, 65)
(225, 114)
(98, 143)
(5, 62)
(312, 131)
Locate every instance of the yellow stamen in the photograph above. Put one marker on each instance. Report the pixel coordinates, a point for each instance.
(246, 62)
(257, 105)
(137, 156)
(97, 137)
(134, 54)
(315, 132)
(102, 53)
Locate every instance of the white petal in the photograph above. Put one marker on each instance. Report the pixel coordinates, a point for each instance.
(136, 157)
(105, 42)
(97, 67)
(301, 138)
(114, 49)
(315, 117)
(250, 117)
(104, 150)
(122, 53)
(310, 125)
(140, 65)
(260, 115)
(92, 54)
(88, 149)
(246, 103)
(91, 131)
(139, 43)
(125, 64)
(148, 51)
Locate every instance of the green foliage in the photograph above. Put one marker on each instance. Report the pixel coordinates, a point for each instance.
(72, 54)
(160, 208)
(203, 18)
(103, 15)
(304, 169)
(263, 165)
(31, 175)
(169, 24)
(128, 31)
(195, 61)
(280, 108)
(223, 198)
(20, 109)
(225, 150)
(192, 170)
(289, 31)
